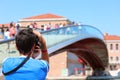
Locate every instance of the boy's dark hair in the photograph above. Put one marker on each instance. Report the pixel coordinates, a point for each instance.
(25, 40)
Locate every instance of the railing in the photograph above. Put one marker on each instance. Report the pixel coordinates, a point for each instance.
(56, 36)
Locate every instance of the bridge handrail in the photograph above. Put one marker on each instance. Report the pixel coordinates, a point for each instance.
(61, 28)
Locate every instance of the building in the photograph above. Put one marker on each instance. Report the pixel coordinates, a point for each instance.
(113, 46)
(44, 19)
(5, 25)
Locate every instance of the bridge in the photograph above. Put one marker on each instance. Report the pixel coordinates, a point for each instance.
(85, 41)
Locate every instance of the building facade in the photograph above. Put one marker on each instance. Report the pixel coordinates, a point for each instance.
(44, 19)
(113, 46)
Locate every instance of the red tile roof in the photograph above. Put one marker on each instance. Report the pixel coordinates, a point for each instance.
(5, 25)
(45, 16)
(111, 37)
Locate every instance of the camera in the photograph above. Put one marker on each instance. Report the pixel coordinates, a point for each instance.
(37, 42)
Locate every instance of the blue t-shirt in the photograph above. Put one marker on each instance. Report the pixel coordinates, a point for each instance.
(32, 70)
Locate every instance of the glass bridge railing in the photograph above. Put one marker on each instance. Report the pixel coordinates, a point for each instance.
(53, 37)
(57, 36)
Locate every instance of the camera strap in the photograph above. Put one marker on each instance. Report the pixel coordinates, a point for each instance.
(20, 65)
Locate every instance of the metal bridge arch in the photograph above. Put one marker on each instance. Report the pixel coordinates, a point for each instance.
(92, 51)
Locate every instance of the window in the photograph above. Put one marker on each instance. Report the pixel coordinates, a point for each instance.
(111, 46)
(111, 58)
(116, 46)
(106, 45)
(117, 58)
(111, 67)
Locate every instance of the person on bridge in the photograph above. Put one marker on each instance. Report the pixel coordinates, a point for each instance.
(27, 67)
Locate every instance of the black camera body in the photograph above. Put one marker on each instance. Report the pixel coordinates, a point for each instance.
(38, 43)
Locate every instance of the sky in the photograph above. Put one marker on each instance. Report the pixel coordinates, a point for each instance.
(102, 14)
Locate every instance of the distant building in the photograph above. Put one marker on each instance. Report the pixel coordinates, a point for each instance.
(5, 25)
(113, 46)
(44, 19)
